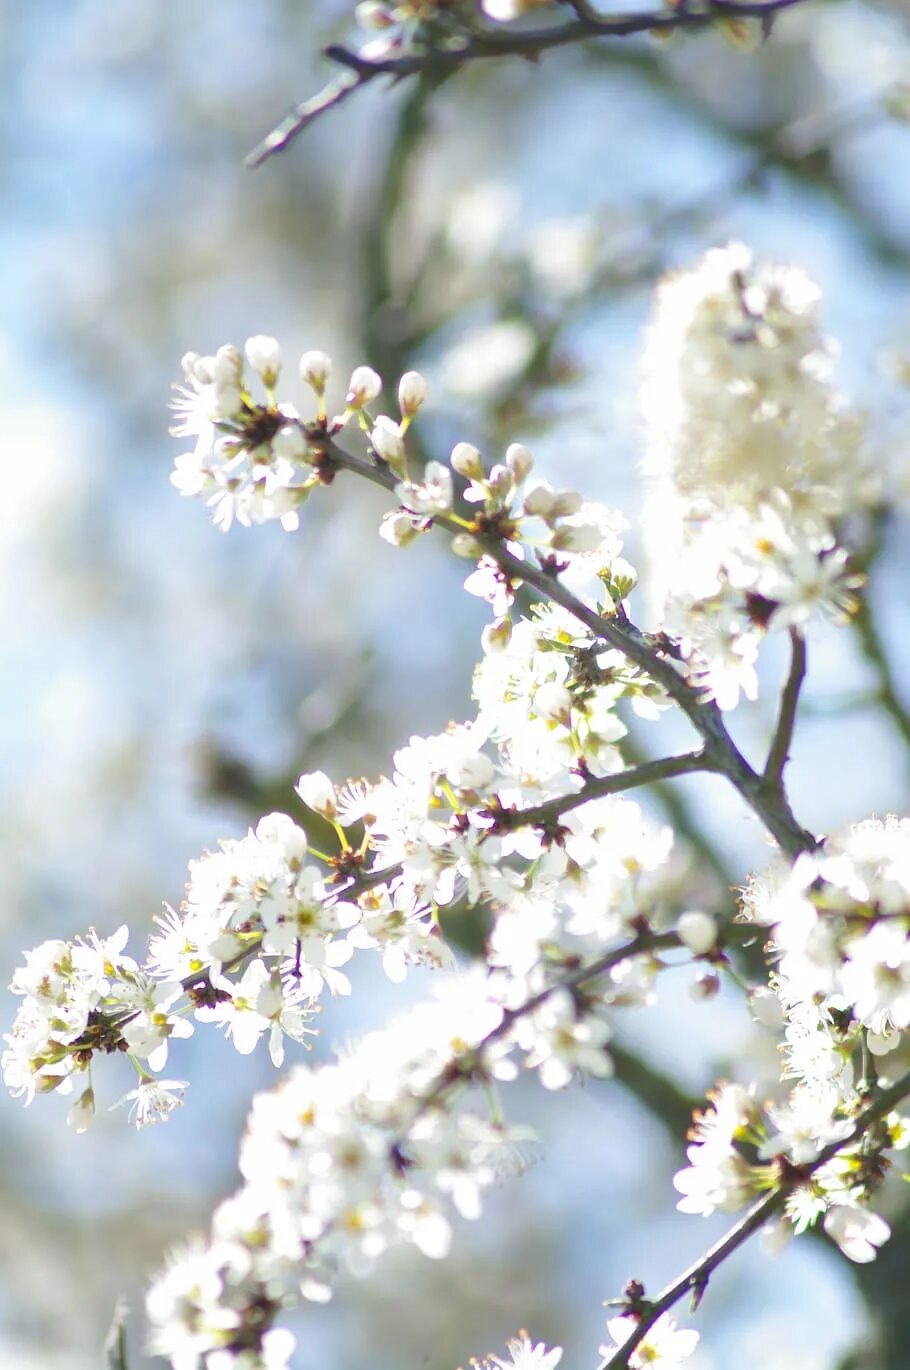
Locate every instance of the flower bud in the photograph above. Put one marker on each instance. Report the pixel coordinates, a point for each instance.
(464, 545)
(471, 772)
(264, 356)
(697, 931)
(364, 386)
(227, 366)
(373, 14)
(315, 369)
(412, 391)
(539, 501)
(318, 793)
(519, 461)
(226, 401)
(82, 1112)
(467, 461)
(388, 443)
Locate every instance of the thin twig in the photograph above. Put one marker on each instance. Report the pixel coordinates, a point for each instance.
(303, 114)
(779, 753)
(540, 815)
(530, 44)
(463, 1068)
(115, 1352)
(694, 1280)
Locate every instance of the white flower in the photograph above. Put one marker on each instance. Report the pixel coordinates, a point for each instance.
(388, 442)
(399, 527)
(524, 1355)
(432, 495)
(258, 1003)
(153, 1100)
(858, 1232)
(664, 1346)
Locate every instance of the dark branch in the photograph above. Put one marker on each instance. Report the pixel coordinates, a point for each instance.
(779, 754)
(479, 46)
(645, 774)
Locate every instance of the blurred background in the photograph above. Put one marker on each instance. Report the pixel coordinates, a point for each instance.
(163, 684)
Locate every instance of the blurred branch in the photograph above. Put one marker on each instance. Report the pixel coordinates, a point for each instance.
(873, 649)
(386, 334)
(683, 819)
(656, 1092)
(483, 44)
(871, 645)
(884, 1288)
(115, 1341)
(799, 149)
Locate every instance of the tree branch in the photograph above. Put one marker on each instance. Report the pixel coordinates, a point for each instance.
(540, 815)
(779, 753)
(464, 1067)
(768, 802)
(489, 43)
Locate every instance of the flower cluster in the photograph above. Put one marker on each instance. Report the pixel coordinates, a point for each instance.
(519, 809)
(84, 997)
(343, 1161)
(840, 920)
(259, 936)
(752, 461)
(511, 809)
(256, 461)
